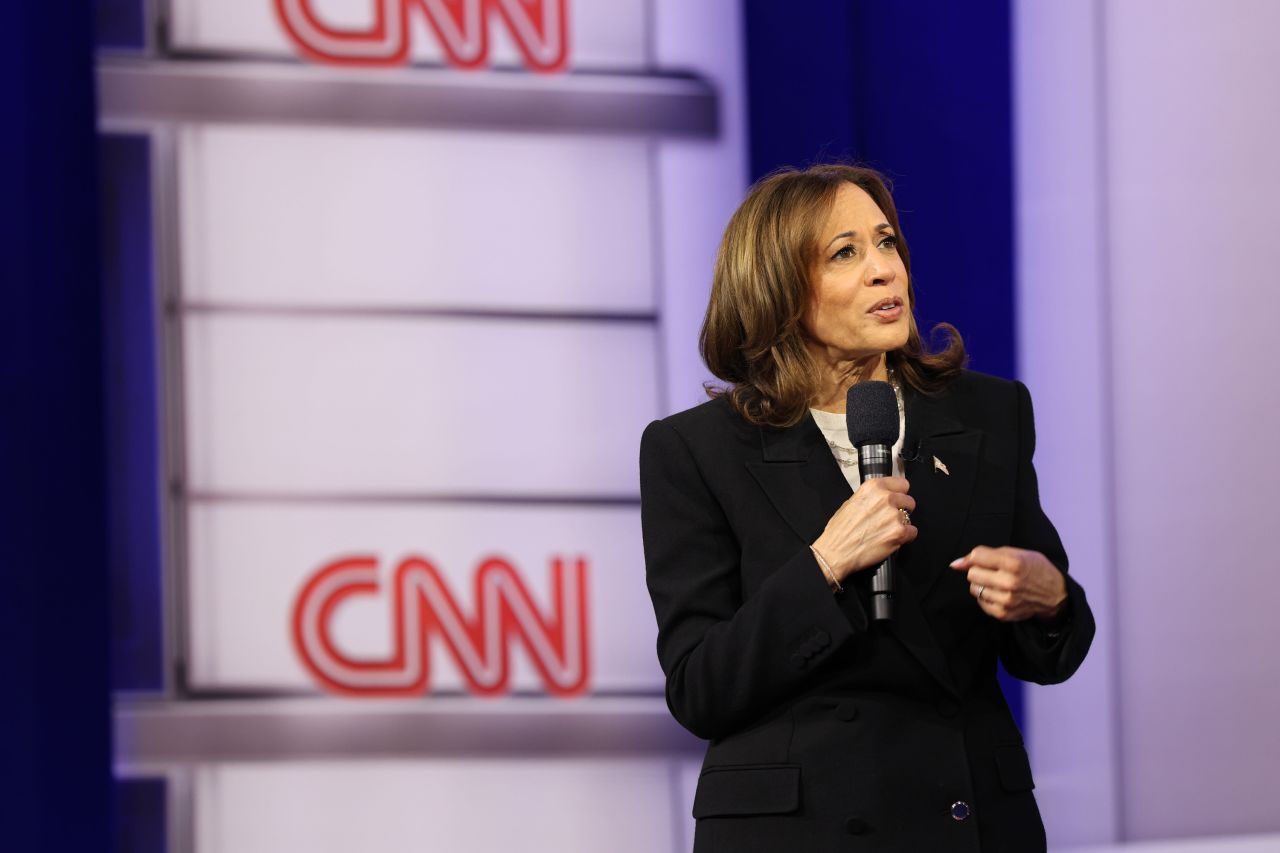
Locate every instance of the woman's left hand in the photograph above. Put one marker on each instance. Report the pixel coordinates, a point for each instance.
(1012, 584)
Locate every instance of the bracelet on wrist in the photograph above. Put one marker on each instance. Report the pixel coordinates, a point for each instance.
(832, 581)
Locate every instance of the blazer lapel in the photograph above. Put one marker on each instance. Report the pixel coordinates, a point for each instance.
(941, 463)
(801, 477)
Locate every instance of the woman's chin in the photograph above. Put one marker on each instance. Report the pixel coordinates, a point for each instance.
(889, 338)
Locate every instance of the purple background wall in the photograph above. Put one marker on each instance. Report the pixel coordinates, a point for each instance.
(1146, 185)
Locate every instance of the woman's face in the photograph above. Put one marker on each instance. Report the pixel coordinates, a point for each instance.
(859, 302)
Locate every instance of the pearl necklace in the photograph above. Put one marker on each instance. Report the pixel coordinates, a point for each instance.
(845, 461)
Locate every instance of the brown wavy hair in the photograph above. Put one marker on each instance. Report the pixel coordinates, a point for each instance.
(752, 337)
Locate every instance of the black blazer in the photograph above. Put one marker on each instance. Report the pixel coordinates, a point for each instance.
(830, 731)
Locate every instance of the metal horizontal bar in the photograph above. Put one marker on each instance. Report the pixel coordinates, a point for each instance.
(548, 499)
(136, 89)
(154, 733)
(411, 312)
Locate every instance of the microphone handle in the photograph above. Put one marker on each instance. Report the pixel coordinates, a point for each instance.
(882, 590)
(876, 461)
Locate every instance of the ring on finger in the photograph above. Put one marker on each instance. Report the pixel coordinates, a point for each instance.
(981, 590)
(906, 517)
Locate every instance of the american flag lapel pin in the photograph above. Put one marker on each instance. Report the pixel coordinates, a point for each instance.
(939, 466)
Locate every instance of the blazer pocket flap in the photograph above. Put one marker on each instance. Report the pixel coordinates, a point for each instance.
(758, 790)
(1015, 770)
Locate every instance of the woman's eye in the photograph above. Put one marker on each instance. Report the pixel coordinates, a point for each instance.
(844, 253)
(889, 242)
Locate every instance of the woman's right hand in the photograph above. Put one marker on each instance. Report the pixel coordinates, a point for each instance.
(868, 527)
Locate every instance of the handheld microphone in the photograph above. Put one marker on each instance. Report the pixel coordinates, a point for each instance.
(871, 413)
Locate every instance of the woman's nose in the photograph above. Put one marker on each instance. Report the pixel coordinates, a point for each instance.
(879, 272)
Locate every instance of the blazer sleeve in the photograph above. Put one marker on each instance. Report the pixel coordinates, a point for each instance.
(726, 660)
(1034, 650)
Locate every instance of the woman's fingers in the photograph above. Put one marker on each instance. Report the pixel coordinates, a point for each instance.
(1004, 612)
(891, 492)
(869, 526)
(1004, 558)
(1011, 584)
(893, 484)
(989, 594)
(991, 578)
(902, 501)
(999, 604)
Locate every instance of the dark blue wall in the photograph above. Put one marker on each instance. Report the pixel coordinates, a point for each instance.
(132, 407)
(923, 92)
(121, 24)
(55, 780)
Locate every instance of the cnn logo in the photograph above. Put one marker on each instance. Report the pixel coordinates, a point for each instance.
(538, 27)
(421, 609)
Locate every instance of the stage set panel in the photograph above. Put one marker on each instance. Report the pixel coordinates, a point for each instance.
(334, 807)
(416, 220)
(611, 36)
(250, 565)
(403, 406)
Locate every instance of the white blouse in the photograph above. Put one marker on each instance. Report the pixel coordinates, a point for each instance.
(836, 432)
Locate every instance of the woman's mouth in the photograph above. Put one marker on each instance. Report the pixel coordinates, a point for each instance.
(887, 309)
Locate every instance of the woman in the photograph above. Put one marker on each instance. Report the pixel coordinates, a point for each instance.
(825, 724)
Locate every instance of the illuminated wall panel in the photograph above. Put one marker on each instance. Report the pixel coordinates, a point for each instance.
(412, 405)
(610, 34)
(415, 219)
(248, 562)
(459, 806)
(1105, 142)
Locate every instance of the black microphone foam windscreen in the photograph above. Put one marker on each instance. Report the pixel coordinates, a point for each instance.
(871, 412)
